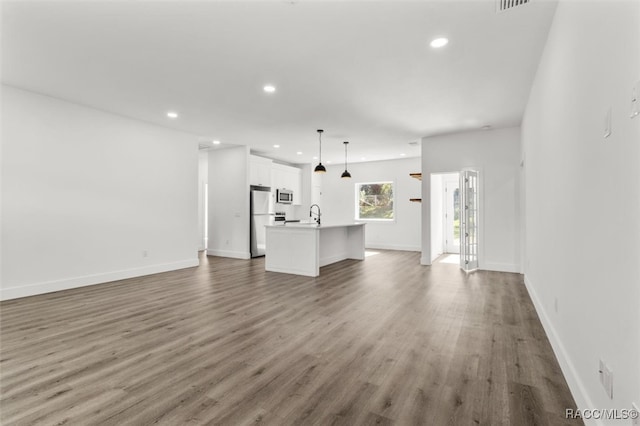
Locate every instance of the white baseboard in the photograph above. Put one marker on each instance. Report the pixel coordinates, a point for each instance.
(229, 253)
(500, 267)
(86, 280)
(383, 246)
(435, 256)
(568, 370)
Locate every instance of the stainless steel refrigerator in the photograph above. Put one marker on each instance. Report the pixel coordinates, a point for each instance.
(261, 214)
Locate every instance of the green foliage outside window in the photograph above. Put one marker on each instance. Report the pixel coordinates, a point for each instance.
(375, 200)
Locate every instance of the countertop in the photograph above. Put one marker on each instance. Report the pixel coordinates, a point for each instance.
(304, 225)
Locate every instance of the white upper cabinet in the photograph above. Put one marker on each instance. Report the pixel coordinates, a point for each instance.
(264, 172)
(289, 178)
(260, 171)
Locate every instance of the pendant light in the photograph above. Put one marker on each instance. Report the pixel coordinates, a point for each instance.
(346, 173)
(320, 168)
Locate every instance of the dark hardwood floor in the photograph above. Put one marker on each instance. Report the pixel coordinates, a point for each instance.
(381, 341)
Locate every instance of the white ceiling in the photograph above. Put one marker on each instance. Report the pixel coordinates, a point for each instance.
(362, 71)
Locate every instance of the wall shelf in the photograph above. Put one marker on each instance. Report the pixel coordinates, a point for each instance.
(419, 177)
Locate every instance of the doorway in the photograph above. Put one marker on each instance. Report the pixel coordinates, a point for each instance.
(445, 215)
(452, 215)
(454, 218)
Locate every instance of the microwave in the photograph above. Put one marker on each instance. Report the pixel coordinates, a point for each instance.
(284, 196)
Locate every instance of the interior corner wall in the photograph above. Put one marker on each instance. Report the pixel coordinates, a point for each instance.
(91, 197)
(203, 180)
(583, 198)
(496, 155)
(229, 203)
(338, 201)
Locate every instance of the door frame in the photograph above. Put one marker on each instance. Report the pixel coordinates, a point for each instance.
(425, 258)
(467, 231)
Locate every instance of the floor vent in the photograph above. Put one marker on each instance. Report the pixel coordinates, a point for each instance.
(502, 5)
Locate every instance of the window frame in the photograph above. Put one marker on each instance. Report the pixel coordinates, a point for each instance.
(357, 202)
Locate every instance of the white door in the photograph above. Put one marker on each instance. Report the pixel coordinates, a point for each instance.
(469, 220)
(452, 216)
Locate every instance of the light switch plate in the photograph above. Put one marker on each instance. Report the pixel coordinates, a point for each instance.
(606, 378)
(609, 382)
(607, 123)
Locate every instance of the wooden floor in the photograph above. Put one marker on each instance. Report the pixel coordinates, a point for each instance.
(380, 341)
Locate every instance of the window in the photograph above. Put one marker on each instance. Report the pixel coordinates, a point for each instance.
(374, 201)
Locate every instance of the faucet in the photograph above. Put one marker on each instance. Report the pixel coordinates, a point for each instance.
(317, 219)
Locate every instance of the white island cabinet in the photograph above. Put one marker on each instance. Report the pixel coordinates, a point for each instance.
(302, 249)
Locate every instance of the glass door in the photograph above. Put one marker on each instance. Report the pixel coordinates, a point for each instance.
(469, 220)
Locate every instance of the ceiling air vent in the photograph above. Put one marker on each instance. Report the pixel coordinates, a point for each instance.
(203, 146)
(502, 5)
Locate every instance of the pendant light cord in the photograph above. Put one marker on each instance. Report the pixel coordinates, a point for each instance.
(345, 155)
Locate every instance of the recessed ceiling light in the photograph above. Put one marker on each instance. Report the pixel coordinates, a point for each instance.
(276, 146)
(216, 142)
(439, 42)
(172, 114)
(487, 127)
(299, 152)
(363, 158)
(269, 88)
(315, 158)
(403, 154)
(329, 162)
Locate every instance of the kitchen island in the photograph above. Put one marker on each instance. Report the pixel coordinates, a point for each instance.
(302, 249)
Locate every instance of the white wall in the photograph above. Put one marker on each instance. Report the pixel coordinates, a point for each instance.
(496, 155)
(583, 198)
(85, 193)
(316, 186)
(338, 201)
(229, 203)
(306, 176)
